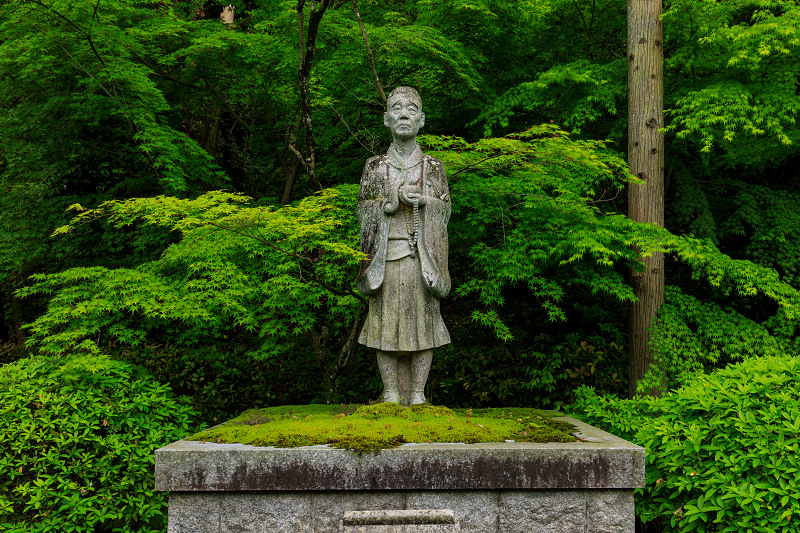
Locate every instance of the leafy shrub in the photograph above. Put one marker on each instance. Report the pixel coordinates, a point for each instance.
(222, 380)
(76, 446)
(12, 351)
(722, 451)
(503, 374)
(694, 336)
(279, 276)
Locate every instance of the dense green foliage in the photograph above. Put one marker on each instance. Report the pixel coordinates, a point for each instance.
(76, 446)
(174, 139)
(130, 100)
(722, 451)
(239, 269)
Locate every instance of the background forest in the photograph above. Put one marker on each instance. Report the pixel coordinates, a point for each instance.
(178, 239)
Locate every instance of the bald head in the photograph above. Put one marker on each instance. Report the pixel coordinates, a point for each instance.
(407, 92)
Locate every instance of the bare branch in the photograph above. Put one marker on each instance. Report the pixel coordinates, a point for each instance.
(303, 80)
(341, 118)
(349, 347)
(78, 64)
(373, 103)
(233, 113)
(378, 85)
(302, 161)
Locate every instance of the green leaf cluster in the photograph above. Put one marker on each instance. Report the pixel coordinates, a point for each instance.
(736, 63)
(274, 274)
(722, 451)
(527, 206)
(77, 437)
(81, 97)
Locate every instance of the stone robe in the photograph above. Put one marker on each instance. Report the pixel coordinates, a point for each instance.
(403, 284)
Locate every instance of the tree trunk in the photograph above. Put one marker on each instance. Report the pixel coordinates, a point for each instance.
(646, 161)
(303, 79)
(209, 130)
(290, 173)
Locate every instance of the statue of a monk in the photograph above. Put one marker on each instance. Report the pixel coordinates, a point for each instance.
(403, 209)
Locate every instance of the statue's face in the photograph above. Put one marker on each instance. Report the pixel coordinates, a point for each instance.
(403, 117)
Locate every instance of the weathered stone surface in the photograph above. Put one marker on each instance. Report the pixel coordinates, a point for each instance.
(601, 461)
(403, 528)
(610, 511)
(329, 507)
(286, 512)
(403, 208)
(551, 511)
(476, 511)
(483, 511)
(400, 521)
(585, 487)
(201, 512)
(399, 516)
(194, 512)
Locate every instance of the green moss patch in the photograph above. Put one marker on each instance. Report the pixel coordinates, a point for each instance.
(385, 425)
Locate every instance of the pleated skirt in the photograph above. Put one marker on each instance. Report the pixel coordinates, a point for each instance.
(403, 315)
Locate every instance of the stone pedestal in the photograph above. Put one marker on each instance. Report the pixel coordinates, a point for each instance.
(583, 486)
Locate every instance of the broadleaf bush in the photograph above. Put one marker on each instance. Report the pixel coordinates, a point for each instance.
(77, 437)
(722, 451)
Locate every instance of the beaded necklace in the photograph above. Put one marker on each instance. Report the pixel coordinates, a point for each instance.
(412, 225)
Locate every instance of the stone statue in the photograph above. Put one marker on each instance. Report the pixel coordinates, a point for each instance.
(403, 209)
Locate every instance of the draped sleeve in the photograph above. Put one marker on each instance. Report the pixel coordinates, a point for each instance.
(373, 194)
(436, 216)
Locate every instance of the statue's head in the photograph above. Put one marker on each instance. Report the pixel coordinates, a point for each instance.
(404, 116)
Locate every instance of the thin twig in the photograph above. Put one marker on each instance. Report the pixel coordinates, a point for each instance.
(368, 102)
(341, 118)
(77, 64)
(296, 256)
(502, 217)
(475, 166)
(233, 113)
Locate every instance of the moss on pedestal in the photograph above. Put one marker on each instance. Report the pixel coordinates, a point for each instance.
(384, 425)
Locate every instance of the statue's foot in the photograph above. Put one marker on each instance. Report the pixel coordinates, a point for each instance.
(391, 396)
(417, 398)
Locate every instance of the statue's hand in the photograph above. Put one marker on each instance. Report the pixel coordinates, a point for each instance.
(408, 193)
(418, 196)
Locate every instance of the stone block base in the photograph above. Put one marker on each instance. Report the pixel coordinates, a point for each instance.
(582, 487)
(478, 511)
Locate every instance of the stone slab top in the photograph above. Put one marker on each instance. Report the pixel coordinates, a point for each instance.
(600, 460)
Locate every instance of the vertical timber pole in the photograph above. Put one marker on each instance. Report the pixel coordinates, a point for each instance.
(646, 161)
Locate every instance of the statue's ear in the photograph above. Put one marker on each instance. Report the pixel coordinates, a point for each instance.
(422, 119)
(386, 119)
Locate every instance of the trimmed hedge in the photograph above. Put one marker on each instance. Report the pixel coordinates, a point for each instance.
(723, 452)
(76, 446)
